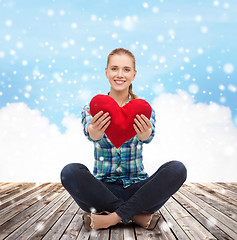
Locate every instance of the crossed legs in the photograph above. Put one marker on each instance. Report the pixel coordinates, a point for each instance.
(147, 196)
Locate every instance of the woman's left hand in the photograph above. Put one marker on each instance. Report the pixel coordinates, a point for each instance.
(142, 127)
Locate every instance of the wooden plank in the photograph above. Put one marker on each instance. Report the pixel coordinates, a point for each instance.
(214, 200)
(57, 230)
(192, 228)
(122, 231)
(12, 189)
(116, 231)
(229, 186)
(225, 223)
(22, 203)
(83, 234)
(11, 225)
(10, 194)
(142, 233)
(201, 215)
(14, 201)
(3, 183)
(221, 192)
(6, 186)
(164, 230)
(197, 211)
(100, 234)
(46, 210)
(128, 232)
(74, 228)
(173, 225)
(39, 228)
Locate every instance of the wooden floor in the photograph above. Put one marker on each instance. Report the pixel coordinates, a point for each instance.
(46, 211)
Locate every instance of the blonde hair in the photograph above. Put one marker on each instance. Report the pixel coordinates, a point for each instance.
(124, 51)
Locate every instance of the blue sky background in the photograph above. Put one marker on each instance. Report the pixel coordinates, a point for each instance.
(53, 53)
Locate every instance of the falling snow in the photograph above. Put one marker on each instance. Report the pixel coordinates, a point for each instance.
(211, 222)
(53, 57)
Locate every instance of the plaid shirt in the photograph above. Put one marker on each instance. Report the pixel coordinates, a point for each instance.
(125, 162)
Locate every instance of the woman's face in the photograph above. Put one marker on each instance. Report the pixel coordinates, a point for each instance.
(120, 72)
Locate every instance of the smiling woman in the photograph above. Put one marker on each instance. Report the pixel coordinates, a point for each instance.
(120, 188)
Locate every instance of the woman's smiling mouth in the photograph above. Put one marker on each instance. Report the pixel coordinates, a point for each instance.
(119, 82)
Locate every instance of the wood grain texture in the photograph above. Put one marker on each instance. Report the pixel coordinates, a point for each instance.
(47, 211)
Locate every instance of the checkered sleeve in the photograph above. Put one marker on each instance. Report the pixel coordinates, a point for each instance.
(85, 120)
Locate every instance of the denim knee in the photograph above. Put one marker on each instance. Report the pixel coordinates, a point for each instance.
(69, 170)
(180, 170)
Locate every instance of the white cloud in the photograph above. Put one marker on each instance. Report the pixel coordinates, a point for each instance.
(32, 149)
(202, 136)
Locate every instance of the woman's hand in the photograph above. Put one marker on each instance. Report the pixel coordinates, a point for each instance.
(98, 125)
(143, 127)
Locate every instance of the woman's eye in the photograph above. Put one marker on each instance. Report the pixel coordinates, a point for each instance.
(127, 69)
(114, 69)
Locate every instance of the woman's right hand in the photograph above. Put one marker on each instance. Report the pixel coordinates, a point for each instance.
(98, 125)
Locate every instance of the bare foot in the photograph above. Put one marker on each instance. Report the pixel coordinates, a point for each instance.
(104, 221)
(142, 219)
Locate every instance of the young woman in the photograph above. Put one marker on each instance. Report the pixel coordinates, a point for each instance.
(119, 188)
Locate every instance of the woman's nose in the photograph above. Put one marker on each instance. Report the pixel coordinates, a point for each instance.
(120, 73)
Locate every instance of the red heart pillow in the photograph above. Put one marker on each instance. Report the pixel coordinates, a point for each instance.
(121, 128)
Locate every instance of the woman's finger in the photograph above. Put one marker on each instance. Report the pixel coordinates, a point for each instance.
(96, 117)
(102, 123)
(100, 119)
(138, 124)
(106, 126)
(136, 128)
(146, 120)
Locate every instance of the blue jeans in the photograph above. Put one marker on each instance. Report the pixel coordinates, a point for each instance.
(148, 195)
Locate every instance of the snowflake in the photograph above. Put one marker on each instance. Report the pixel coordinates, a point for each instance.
(39, 226)
(61, 12)
(2, 54)
(114, 35)
(8, 37)
(232, 88)
(145, 5)
(39, 197)
(93, 18)
(211, 222)
(64, 45)
(8, 22)
(27, 95)
(74, 25)
(222, 99)
(92, 210)
(155, 9)
(204, 29)
(200, 51)
(216, 3)
(198, 18)
(24, 63)
(228, 68)
(164, 227)
(50, 13)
